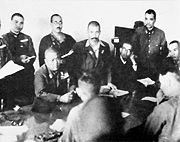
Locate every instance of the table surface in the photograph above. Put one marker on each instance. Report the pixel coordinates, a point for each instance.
(131, 103)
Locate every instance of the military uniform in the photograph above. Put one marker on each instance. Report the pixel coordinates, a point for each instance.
(85, 59)
(50, 40)
(5, 54)
(21, 82)
(49, 84)
(150, 48)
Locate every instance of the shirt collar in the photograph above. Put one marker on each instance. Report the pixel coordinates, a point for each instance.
(124, 62)
(99, 43)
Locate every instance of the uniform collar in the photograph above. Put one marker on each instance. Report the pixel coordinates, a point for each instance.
(99, 43)
(149, 32)
(14, 34)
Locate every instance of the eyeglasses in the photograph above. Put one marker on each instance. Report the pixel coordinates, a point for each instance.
(57, 23)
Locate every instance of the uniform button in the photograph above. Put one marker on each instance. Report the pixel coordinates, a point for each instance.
(149, 46)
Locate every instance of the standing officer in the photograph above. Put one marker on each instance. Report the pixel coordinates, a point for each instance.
(150, 46)
(23, 54)
(63, 42)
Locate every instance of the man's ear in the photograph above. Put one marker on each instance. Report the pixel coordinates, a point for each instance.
(45, 60)
(120, 49)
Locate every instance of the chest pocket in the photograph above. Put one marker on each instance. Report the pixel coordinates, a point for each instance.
(24, 43)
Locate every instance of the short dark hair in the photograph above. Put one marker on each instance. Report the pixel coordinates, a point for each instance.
(17, 14)
(168, 65)
(51, 19)
(151, 11)
(174, 41)
(95, 23)
(41, 105)
(91, 78)
(138, 24)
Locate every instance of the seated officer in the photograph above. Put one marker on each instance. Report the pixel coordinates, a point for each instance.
(52, 79)
(164, 121)
(123, 71)
(92, 54)
(173, 59)
(174, 49)
(96, 118)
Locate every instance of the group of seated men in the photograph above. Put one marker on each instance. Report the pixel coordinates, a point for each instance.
(63, 62)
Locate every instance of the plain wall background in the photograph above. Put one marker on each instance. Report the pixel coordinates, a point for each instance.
(77, 13)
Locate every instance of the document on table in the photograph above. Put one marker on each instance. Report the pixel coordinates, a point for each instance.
(146, 81)
(151, 99)
(10, 133)
(58, 125)
(9, 68)
(118, 92)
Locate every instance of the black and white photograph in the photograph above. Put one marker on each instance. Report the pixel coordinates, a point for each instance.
(89, 71)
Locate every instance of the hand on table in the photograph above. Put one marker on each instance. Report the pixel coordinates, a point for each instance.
(66, 98)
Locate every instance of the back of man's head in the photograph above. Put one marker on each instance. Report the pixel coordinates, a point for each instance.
(169, 78)
(91, 78)
(138, 24)
(168, 65)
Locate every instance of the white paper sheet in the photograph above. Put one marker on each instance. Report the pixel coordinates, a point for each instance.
(58, 125)
(9, 133)
(151, 99)
(9, 68)
(146, 81)
(118, 92)
(124, 114)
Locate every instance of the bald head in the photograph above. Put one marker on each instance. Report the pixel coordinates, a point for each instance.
(52, 59)
(50, 50)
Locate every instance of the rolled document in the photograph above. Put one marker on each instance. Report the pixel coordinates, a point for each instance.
(68, 54)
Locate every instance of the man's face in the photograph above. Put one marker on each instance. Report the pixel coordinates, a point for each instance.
(52, 61)
(57, 24)
(174, 51)
(17, 24)
(149, 21)
(126, 50)
(93, 34)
